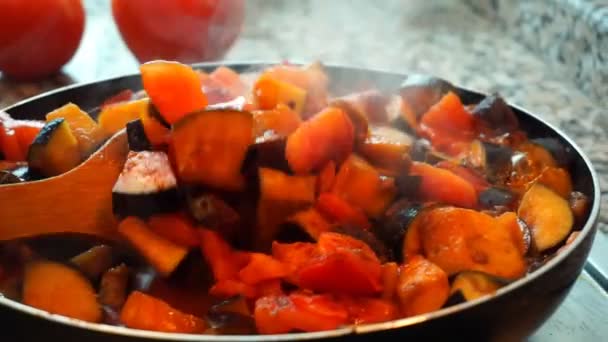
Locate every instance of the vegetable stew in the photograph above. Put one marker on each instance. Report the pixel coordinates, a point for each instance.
(279, 207)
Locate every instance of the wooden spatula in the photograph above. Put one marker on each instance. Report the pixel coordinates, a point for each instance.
(79, 201)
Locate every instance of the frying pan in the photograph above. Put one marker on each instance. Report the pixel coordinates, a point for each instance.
(514, 313)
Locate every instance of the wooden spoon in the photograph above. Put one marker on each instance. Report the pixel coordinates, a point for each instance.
(78, 201)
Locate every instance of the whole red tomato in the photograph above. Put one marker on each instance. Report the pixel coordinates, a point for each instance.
(183, 30)
(38, 37)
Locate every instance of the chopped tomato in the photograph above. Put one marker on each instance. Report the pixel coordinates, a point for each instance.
(9, 143)
(262, 267)
(294, 256)
(363, 310)
(219, 255)
(339, 211)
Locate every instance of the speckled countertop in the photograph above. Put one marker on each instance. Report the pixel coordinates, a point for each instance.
(441, 37)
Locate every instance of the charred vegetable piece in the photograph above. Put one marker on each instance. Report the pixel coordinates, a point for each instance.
(94, 261)
(136, 135)
(279, 314)
(395, 223)
(308, 221)
(61, 290)
(547, 214)
(281, 196)
(387, 148)
(7, 177)
(379, 247)
(115, 117)
(209, 148)
(494, 196)
(146, 186)
(329, 135)
(423, 287)
(268, 151)
(281, 120)
(162, 254)
(579, 204)
(55, 150)
(444, 186)
(494, 115)
(86, 131)
(558, 180)
(462, 239)
(269, 92)
(361, 184)
(113, 287)
(176, 228)
(473, 285)
(560, 152)
(211, 211)
(420, 92)
(491, 158)
(144, 312)
(174, 88)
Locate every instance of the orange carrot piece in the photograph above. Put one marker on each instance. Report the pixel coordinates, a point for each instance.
(176, 228)
(281, 120)
(327, 177)
(471, 176)
(423, 287)
(444, 186)
(362, 310)
(329, 135)
(148, 313)
(174, 88)
(339, 211)
(219, 255)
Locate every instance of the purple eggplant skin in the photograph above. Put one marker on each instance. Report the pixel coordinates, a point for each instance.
(495, 114)
(559, 151)
(422, 91)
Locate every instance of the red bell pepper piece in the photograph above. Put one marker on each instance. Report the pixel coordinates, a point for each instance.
(224, 262)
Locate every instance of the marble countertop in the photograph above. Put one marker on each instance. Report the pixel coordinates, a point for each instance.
(440, 37)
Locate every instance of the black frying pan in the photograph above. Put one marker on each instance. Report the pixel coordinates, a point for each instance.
(512, 314)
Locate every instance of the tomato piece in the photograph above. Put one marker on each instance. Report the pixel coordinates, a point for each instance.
(174, 88)
(176, 228)
(339, 211)
(363, 310)
(281, 314)
(444, 186)
(294, 256)
(227, 288)
(10, 145)
(423, 287)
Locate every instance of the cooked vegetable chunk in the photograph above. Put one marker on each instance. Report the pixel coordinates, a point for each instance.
(473, 285)
(136, 135)
(115, 117)
(280, 120)
(387, 148)
(148, 313)
(269, 92)
(547, 214)
(423, 287)
(494, 115)
(209, 148)
(329, 135)
(420, 92)
(113, 287)
(86, 131)
(444, 186)
(61, 290)
(561, 153)
(55, 150)
(94, 261)
(176, 228)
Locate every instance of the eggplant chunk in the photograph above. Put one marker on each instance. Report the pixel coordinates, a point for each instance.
(136, 135)
(7, 177)
(94, 261)
(267, 151)
(113, 287)
(547, 214)
(495, 114)
(378, 246)
(395, 225)
(579, 204)
(473, 285)
(561, 153)
(493, 197)
(420, 92)
(492, 158)
(146, 186)
(212, 212)
(420, 150)
(388, 148)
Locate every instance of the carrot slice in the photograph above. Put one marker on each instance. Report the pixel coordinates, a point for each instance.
(61, 290)
(148, 313)
(162, 254)
(174, 88)
(329, 135)
(176, 228)
(423, 287)
(444, 186)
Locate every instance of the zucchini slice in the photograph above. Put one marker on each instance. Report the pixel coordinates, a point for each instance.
(473, 285)
(55, 150)
(61, 290)
(547, 214)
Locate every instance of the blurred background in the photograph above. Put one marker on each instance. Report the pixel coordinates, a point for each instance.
(549, 56)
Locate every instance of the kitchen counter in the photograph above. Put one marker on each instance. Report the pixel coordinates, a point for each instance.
(440, 37)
